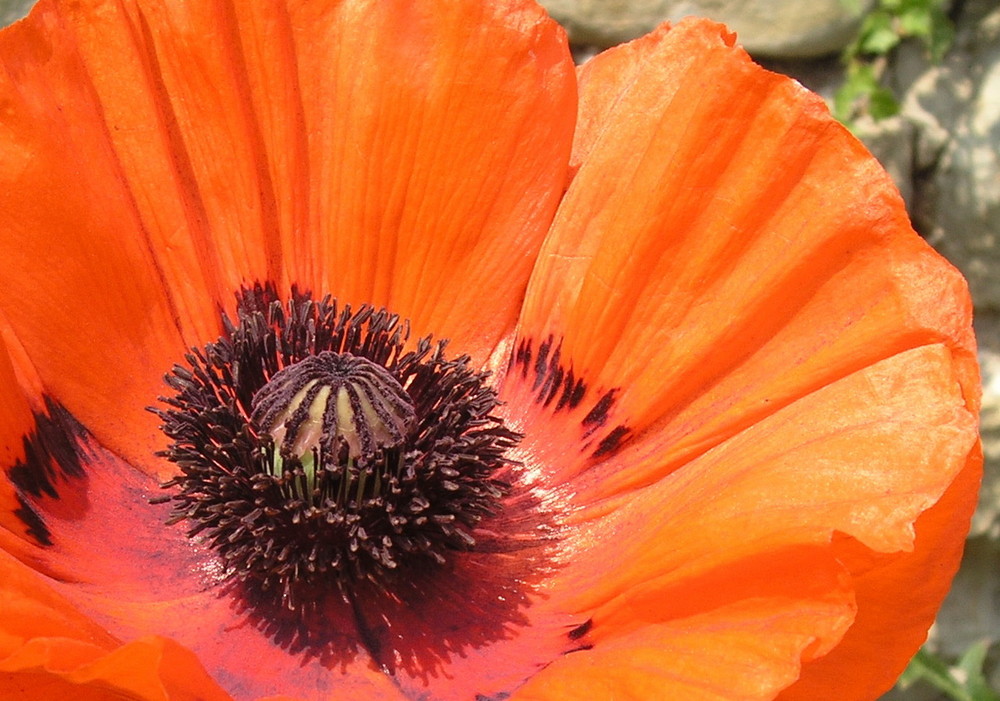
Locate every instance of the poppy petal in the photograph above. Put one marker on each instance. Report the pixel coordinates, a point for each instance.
(790, 310)
(16, 421)
(101, 552)
(82, 293)
(149, 669)
(172, 152)
(442, 137)
(49, 649)
(892, 618)
(33, 610)
(705, 286)
(747, 648)
(864, 456)
(15, 413)
(270, 159)
(169, 104)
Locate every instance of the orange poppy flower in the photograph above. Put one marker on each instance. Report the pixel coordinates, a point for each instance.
(727, 447)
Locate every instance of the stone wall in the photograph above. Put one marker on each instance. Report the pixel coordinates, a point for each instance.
(783, 28)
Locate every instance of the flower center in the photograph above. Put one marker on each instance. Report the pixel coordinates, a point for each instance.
(315, 452)
(336, 418)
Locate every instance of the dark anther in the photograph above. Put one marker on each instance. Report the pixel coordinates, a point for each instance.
(581, 630)
(317, 449)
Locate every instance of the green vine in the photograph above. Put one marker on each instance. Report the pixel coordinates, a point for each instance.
(962, 681)
(866, 59)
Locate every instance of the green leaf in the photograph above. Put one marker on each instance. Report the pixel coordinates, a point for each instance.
(917, 22)
(963, 682)
(862, 93)
(941, 37)
(882, 104)
(970, 666)
(926, 667)
(878, 34)
(881, 31)
(880, 41)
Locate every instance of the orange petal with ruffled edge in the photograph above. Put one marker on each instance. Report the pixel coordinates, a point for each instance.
(864, 456)
(744, 315)
(33, 610)
(49, 649)
(149, 669)
(792, 606)
(747, 252)
(766, 510)
(893, 616)
(442, 135)
(158, 155)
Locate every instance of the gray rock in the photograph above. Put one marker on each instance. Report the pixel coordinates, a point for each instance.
(891, 141)
(959, 104)
(11, 10)
(933, 104)
(777, 28)
(987, 519)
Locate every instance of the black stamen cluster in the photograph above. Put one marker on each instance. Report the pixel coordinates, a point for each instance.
(287, 527)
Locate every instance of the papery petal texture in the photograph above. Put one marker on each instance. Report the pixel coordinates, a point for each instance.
(219, 146)
(771, 358)
(747, 389)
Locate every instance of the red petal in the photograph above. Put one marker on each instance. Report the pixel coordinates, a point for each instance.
(151, 669)
(440, 138)
(747, 252)
(736, 344)
(898, 596)
(156, 155)
(864, 456)
(16, 420)
(746, 644)
(82, 294)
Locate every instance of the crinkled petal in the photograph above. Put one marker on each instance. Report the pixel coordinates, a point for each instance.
(33, 610)
(50, 649)
(747, 648)
(158, 155)
(149, 669)
(865, 456)
(747, 251)
(440, 137)
(861, 459)
(738, 345)
(893, 618)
